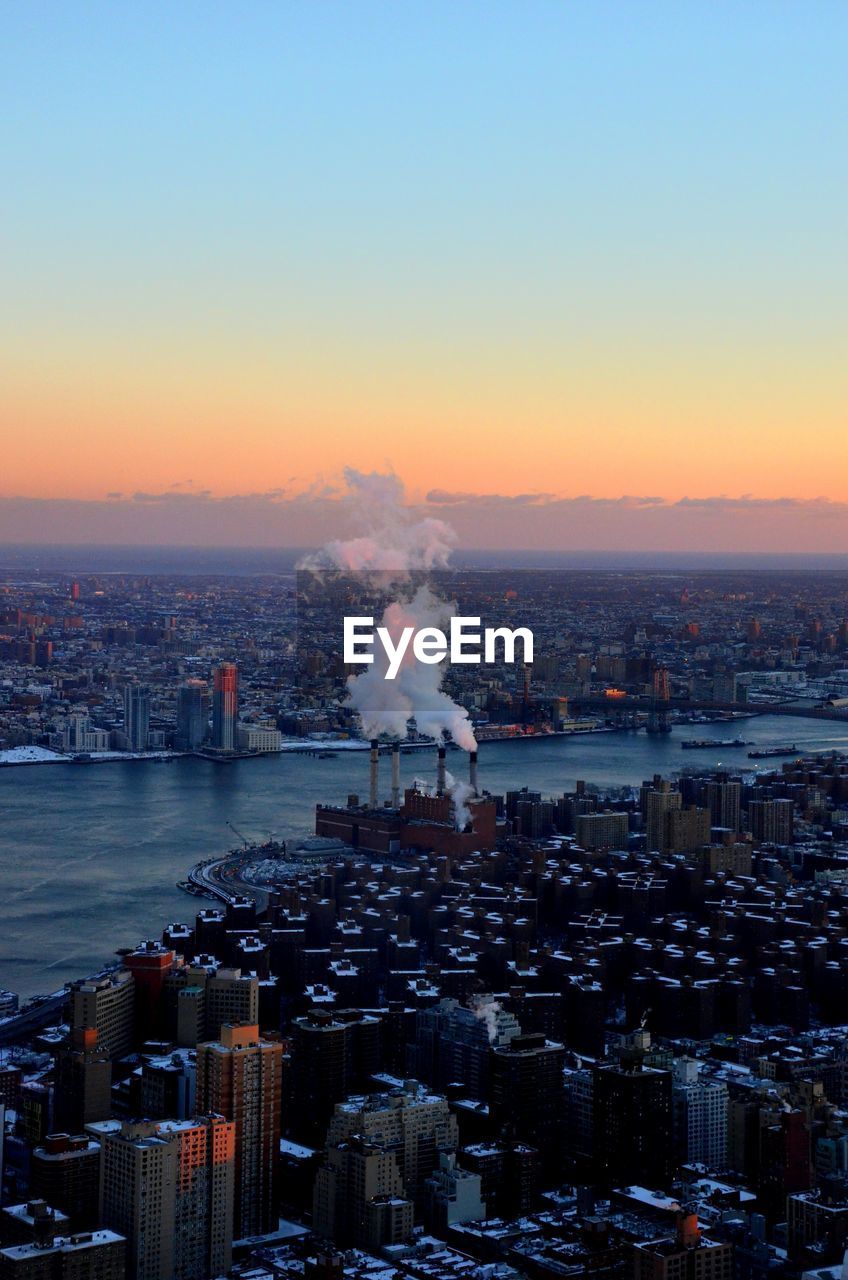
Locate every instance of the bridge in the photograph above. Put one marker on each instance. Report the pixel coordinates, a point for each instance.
(33, 1017)
(601, 705)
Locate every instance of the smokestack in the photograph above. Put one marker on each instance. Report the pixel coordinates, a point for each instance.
(396, 775)
(440, 772)
(472, 771)
(375, 760)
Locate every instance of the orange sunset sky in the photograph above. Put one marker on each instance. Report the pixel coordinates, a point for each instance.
(537, 253)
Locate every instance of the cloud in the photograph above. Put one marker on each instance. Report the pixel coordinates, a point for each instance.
(298, 516)
(446, 498)
(181, 496)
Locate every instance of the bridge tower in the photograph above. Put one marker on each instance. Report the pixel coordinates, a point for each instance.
(658, 715)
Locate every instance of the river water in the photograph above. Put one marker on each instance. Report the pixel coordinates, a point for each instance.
(90, 856)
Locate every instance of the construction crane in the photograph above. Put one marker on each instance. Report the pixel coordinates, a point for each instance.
(240, 835)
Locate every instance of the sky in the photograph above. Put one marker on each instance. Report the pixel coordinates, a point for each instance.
(571, 270)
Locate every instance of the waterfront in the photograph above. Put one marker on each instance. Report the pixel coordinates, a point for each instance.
(89, 858)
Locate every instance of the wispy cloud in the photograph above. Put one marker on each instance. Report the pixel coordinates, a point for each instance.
(446, 498)
(298, 516)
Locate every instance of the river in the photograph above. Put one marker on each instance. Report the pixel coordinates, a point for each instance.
(90, 856)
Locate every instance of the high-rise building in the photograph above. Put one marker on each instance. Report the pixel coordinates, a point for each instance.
(724, 798)
(453, 1195)
(65, 1173)
(700, 1115)
(224, 706)
(107, 1004)
(192, 715)
(203, 996)
(509, 1176)
(167, 1087)
(606, 830)
(410, 1121)
(359, 1197)
(452, 1043)
(334, 1055)
(527, 1095)
(632, 1114)
(240, 1077)
(658, 800)
(685, 830)
(136, 716)
(35, 1221)
(82, 1082)
(149, 964)
(169, 1188)
(772, 821)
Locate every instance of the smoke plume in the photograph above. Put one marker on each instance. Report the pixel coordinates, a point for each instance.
(487, 1010)
(396, 544)
(460, 792)
(385, 706)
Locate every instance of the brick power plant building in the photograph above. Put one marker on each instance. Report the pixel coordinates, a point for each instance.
(426, 820)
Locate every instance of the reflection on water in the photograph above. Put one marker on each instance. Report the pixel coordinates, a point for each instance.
(89, 857)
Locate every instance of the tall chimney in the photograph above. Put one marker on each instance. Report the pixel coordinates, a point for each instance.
(472, 771)
(375, 760)
(396, 775)
(440, 772)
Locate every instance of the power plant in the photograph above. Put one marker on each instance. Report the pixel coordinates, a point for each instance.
(451, 820)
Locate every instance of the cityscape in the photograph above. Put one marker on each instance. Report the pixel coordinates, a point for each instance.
(439, 1026)
(424, 640)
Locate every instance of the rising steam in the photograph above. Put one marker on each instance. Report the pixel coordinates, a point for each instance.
(486, 1009)
(397, 544)
(460, 793)
(385, 706)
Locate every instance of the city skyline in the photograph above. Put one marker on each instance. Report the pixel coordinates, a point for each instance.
(565, 251)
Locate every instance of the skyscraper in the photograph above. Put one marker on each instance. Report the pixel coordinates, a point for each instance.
(136, 716)
(632, 1113)
(527, 1097)
(240, 1077)
(700, 1115)
(359, 1196)
(83, 1082)
(107, 1004)
(224, 706)
(65, 1173)
(658, 800)
(192, 715)
(453, 1043)
(170, 1187)
(410, 1123)
(724, 798)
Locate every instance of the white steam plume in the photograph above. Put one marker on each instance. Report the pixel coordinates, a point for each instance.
(385, 706)
(460, 792)
(395, 545)
(487, 1010)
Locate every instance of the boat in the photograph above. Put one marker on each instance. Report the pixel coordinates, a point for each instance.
(766, 753)
(188, 886)
(707, 744)
(327, 755)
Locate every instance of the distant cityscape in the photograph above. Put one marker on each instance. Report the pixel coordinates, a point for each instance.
(456, 1032)
(228, 665)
